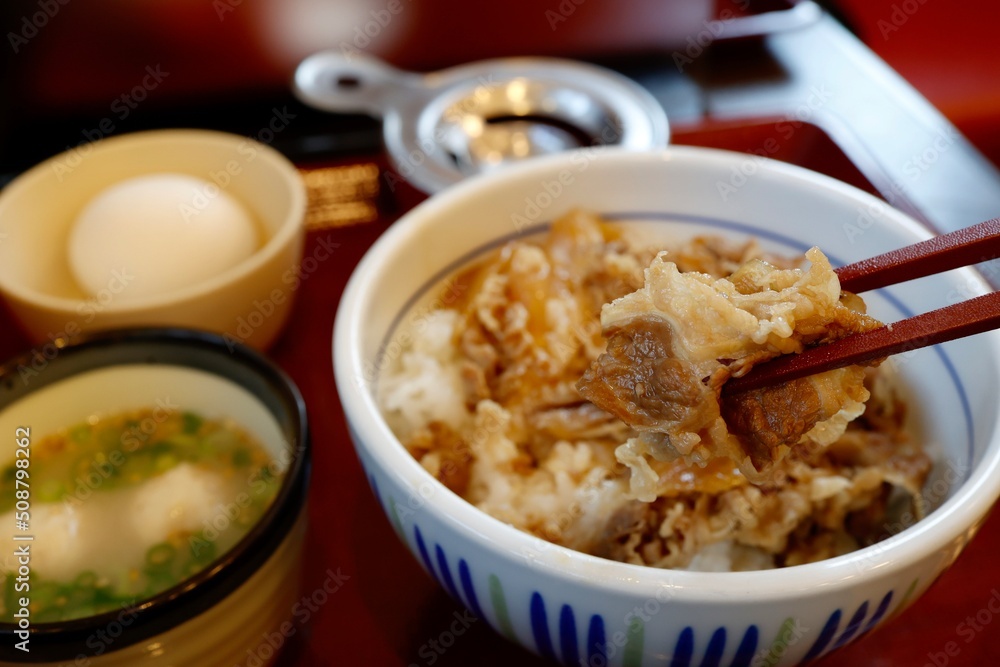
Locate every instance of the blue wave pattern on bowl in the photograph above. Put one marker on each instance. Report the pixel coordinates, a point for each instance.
(594, 652)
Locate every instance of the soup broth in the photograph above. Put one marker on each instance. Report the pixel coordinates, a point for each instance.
(127, 506)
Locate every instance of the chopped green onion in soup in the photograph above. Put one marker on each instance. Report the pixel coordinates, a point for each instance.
(130, 505)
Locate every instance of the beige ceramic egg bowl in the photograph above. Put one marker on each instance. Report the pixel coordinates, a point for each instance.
(249, 302)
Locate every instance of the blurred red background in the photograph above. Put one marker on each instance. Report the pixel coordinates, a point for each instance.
(87, 52)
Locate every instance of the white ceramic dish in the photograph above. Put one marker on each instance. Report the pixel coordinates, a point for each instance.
(576, 608)
(249, 302)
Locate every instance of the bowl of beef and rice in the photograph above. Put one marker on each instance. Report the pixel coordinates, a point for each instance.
(532, 367)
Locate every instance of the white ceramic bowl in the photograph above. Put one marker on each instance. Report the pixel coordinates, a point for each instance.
(249, 302)
(585, 610)
(221, 615)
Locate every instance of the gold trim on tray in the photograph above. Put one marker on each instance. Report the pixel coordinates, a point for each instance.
(341, 196)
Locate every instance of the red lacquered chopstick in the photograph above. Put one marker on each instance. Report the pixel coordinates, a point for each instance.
(938, 326)
(970, 245)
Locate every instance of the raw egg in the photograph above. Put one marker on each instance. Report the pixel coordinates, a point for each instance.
(155, 234)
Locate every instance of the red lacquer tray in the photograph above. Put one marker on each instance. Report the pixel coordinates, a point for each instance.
(387, 611)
